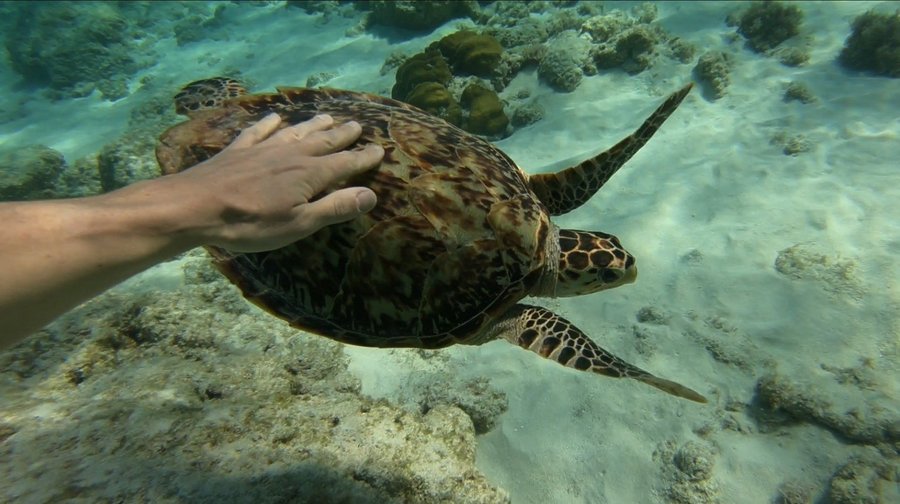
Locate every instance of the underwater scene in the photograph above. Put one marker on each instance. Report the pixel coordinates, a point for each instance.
(482, 335)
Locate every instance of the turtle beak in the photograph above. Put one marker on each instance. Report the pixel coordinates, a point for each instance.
(630, 275)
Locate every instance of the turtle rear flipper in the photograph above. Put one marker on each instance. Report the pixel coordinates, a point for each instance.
(567, 190)
(553, 337)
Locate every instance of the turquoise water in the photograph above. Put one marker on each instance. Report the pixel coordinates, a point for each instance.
(763, 216)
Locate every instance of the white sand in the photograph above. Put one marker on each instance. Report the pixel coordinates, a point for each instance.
(709, 181)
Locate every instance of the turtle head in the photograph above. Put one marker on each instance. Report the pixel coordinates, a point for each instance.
(591, 261)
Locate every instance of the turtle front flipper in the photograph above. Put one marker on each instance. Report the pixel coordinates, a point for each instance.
(567, 190)
(551, 336)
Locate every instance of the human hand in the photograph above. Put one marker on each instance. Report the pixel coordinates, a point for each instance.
(256, 194)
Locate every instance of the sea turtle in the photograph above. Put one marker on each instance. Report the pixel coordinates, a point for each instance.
(460, 234)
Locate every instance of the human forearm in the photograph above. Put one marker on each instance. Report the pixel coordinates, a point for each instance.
(57, 254)
(264, 191)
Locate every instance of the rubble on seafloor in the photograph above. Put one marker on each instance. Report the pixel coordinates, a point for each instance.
(192, 393)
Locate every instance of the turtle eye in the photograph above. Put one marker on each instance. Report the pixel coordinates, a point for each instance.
(611, 275)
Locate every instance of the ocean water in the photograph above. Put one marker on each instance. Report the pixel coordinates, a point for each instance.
(763, 214)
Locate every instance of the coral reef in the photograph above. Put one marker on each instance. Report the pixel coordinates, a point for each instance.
(865, 480)
(806, 262)
(682, 50)
(526, 113)
(30, 173)
(319, 78)
(476, 397)
(485, 111)
(632, 50)
(781, 401)
(193, 387)
(565, 44)
(416, 15)
(132, 156)
(797, 91)
(794, 492)
(688, 472)
(874, 45)
(436, 99)
(427, 81)
(74, 48)
(471, 53)
(563, 63)
(713, 72)
(39, 172)
(428, 66)
(791, 144)
(128, 159)
(767, 24)
(792, 56)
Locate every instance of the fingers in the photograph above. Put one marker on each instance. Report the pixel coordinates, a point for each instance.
(332, 140)
(334, 168)
(304, 129)
(256, 133)
(339, 206)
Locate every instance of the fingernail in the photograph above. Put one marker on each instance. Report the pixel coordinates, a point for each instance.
(365, 200)
(322, 117)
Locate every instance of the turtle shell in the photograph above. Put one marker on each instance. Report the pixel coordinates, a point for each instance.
(457, 236)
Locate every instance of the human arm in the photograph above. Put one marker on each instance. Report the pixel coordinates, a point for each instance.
(254, 195)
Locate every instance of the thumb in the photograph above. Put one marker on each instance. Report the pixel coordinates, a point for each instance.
(340, 206)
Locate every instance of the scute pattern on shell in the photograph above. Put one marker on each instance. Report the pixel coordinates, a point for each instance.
(455, 240)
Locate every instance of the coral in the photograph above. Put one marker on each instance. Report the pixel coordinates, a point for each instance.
(805, 262)
(632, 49)
(865, 480)
(418, 14)
(791, 145)
(563, 20)
(394, 60)
(230, 405)
(39, 172)
(782, 401)
(794, 492)
(652, 315)
(792, 56)
(874, 45)
(128, 159)
(81, 178)
(74, 48)
(767, 24)
(713, 71)
(605, 27)
(30, 172)
(509, 66)
(527, 113)
(529, 31)
(682, 50)
(486, 115)
(319, 78)
(645, 13)
(437, 100)
(427, 66)
(508, 14)
(688, 472)
(799, 92)
(483, 404)
(471, 53)
(562, 65)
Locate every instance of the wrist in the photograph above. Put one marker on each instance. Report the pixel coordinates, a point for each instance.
(157, 220)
